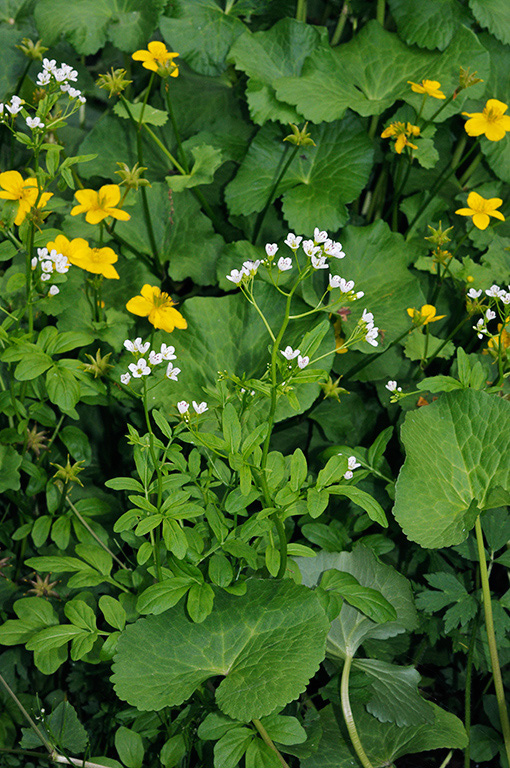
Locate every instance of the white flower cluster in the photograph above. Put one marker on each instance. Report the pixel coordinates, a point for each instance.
(495, 292)
(346, 286)
(391, 386)
(290, 354)
(50, 262)
(317, 251)
(63, 75)
(370, 331)
(183, 407)
(481, 326)
(15, 105)
(143, 366)
(352, 465)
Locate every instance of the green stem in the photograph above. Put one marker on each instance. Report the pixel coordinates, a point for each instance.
(370, 358)
(381, 7)
(470, 169)
(337, 34)
(94, 535)
(27, 717)
(491, 638)
(260, 218)
(447, 759)
(28, 279)
(177, 135)
(267, 739)
(157, 468)
(301, 10)
(165, 151)
(373, 127)
(282, 539)
(348, 716)
(445, 342)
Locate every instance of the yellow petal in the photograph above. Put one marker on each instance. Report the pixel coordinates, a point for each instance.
(476, 125)
(139, 306)
(465, 212)
(475, 201)
(94, 217)
(150, 291)
(141, 55)
(158, 49)
(496, 106)
(495, 131)
(12, 182)
(109, 195)
(119, 214)
(481, 220)
(86, 197)
(497, 214)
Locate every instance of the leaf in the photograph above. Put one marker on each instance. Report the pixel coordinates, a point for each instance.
(350, 629)
(10, 462)
(367, 600)
(395, 696)
(151, 115)
(160, 597)
(129, 746)
(460, 444)
(267, 644)
(493, 14)
(231, 747)
(284, 729)
(207, 161)
(319, 182)
(383, 742)
(63, 389)
(33, 366)
(61, 725)
(80, 614)
(113, 611)
(268, 55)
(91, 24)
(364, 500)
(200, 601)
(259, 755)
(202, 32)
(429, 25)
(419, 346)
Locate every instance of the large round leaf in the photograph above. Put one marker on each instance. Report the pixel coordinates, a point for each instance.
(429, 25)
(266, 645)
(456, 465)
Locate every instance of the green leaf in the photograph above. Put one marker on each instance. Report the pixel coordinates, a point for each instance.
(96, 556)
(52, 637)
(334, 471)
(319, 182)
(439, 384)
(61, 725)
(207, 161)
(350, 629)
(367, 600)
(420, 346)
(429, 25)
(160, 597)
(151, 115)
(56, 564)
(231, 427)
(173, 752)
(395, 696)
(267, 644)
(383, 742)
(35, 363)
(91, 24)
(284, 729)
(10, 462)
(259, 755)
(129, 746)
(364, 500)
(202, 32)
(231, 747)
(271, 54)
(317, 501)
(63, 389)
(200, 602)
(460, 444)
(77, 443)
(113, 611)
(493, 14)
(81, 614)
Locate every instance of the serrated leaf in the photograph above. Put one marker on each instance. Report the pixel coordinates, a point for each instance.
(279, 618)
(429, 25)
(493, 14)
(61, 725)
(460, 443)
(395, 696)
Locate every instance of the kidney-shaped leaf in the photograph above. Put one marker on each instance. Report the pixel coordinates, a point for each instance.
(457, 455)
(266, 644)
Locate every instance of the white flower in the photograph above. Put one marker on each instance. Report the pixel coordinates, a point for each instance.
(60, 75)
(49, 64)
(505, 297)
(139, 369)
(42, 253)
(236, 276)
(480, 328)
(473, 294)
(199, 407)
(53, 290)
(43, 78)
(319, 262)
(137, 346)
(290, 353)
(391, 386)
(371, 336)
(82, 99)
(167, 353)
(2, 105)
(352, 464)
(310, 248)
(284, 264)
(335, 281)
(490, 315)
(33, 262)
(359, 295)
(319, 236)
(493, 291)
(65, 87)
(62, 264)
(367, 317)
(251, 267)
(333, 249)
(130, 346)
(155, 358)
(182, 407)
(171, 372)
(303, 361)
(73, 93)
(45, 276)
(125, 378)
(34, 122)
(271, 249)
(47, 266)
(292, 241)
(348, 475)
(15, 106)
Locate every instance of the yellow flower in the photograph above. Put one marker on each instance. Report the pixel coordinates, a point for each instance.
(427, 314)
(492, 121)
(401, 131)
(25, 192)
(158, 307)
(96, 260)
(430, 87)
(98, 205)
(480, 209)
(158, 59)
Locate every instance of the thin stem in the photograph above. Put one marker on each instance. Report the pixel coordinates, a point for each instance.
(445, 342)
(267, 739)
(447, 759)
(348, 716)
(157, 468)
(337, 34)
(165, 151)
(381, 7)
(27, 717)
(467, 692)
(177, 135)
(470, 169)
(94, 535)
(260, 218)
(491, 638)
(301, 10)
(370, 358)
(373, 126)
(282, 539)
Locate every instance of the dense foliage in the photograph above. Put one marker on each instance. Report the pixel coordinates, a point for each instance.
(254, 374)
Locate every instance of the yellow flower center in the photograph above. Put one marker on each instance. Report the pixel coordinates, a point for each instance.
(492, 115)
(162, 300)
